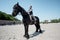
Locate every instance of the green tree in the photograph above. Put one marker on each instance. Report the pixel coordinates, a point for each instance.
(54, 21)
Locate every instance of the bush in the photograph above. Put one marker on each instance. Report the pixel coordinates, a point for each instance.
(4, 16)
(55, 20)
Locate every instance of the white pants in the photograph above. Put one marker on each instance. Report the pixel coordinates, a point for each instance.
(33, 17)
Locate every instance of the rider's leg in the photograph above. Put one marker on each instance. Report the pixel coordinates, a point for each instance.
(31, 17)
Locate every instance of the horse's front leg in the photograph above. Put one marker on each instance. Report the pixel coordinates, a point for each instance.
(26, 31)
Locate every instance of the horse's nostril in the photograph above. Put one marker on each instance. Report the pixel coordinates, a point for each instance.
(13, 14)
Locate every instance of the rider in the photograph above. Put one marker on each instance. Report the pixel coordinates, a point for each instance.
(30, 12)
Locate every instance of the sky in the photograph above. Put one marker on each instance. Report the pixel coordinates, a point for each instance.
(44, 9)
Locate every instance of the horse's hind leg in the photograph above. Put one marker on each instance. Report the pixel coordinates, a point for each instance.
(37, 24)
(38, 28)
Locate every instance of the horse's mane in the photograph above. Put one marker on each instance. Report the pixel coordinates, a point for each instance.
(23, 9)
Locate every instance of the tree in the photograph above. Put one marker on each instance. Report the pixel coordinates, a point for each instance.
(55, 20)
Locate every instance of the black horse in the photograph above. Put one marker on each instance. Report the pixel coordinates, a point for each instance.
(26, 19)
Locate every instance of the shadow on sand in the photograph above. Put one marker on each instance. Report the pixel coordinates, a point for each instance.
(36, 34)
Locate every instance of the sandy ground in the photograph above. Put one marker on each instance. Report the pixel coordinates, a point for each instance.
(16, 32)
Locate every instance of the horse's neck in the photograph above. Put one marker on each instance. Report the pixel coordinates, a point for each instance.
(24, 14)
(22, 9)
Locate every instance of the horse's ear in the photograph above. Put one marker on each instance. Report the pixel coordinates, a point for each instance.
(17, 3)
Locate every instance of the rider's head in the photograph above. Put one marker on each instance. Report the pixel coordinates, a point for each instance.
(30, 6)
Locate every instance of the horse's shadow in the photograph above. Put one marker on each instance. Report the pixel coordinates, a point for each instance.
(36, 33)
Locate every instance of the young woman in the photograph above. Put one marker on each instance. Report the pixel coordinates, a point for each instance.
(30, 12)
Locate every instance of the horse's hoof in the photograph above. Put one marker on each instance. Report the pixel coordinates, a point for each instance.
(36, 31)
(26, 36)
(40, 31)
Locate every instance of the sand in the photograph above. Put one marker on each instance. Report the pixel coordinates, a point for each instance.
(15, 32)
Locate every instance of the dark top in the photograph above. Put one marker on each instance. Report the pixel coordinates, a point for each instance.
(31, 13)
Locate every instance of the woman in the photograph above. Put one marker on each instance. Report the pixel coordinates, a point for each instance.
(30, 12)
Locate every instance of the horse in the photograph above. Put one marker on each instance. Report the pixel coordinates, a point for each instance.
(26, 19)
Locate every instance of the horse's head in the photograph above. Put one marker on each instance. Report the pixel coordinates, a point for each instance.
(15, 9)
